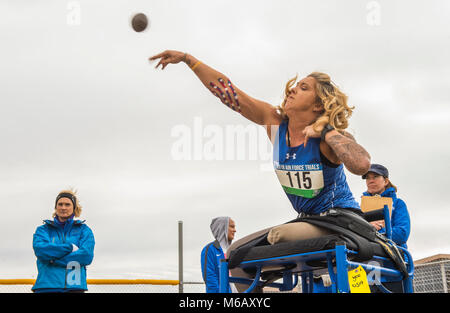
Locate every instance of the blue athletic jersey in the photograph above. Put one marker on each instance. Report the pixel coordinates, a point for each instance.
(311, 185)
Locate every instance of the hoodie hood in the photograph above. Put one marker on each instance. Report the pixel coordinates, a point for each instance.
(219, 229)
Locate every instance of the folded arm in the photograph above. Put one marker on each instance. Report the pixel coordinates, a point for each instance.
(47, 251)
(85, 253)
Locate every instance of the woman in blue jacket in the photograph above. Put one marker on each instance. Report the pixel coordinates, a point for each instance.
(63, 247)
(378, 183)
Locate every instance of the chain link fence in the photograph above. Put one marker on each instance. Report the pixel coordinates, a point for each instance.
(144, 288)
(432, 277)
(194, 287)
(101, 286)
(24, 286)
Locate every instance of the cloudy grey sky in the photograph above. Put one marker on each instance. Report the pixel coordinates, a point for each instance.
(81, 106)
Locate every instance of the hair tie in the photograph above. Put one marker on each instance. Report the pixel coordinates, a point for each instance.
(69, 196)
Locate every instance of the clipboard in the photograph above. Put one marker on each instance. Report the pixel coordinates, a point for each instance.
(369, 203)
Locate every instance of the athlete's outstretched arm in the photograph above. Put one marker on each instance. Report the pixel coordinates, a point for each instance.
(257, 111)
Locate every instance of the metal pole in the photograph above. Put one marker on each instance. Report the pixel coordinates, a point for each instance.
(341, 269)
(180, 256)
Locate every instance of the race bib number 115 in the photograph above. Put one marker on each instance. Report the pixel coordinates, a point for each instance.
(306, 184)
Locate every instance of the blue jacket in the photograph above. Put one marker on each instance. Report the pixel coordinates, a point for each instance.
(59, 267)
(210, 260)
(400, 221)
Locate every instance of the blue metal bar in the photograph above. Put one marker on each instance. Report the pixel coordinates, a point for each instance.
(382, 270)
(341, 269)
(305, 288)
(281, 286)
(288, 256)
(410, 262)
(408, 281)
(287, 281)
(295, 281)
(255, 281)
(331, 273)
(248, 281)
(387, 222)
(381, 258)
(310, 282)
(223, 276)
(408, 285)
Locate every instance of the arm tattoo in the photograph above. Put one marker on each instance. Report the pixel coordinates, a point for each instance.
(354, 156)
(228, 100)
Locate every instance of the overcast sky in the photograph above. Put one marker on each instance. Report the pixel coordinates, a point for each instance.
(80, 106)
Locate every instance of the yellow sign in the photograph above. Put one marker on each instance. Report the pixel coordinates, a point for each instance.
(357, 280)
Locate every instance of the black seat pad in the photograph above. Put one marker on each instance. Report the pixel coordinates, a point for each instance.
(303, 246)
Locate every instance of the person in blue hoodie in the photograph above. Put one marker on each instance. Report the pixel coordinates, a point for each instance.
(63, 248)
(378, 183)
(223, 229)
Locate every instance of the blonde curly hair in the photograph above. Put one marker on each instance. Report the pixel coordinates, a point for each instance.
(78, 208)
(336, 110)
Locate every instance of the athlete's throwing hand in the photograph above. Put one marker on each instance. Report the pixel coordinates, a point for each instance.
(168, 57)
